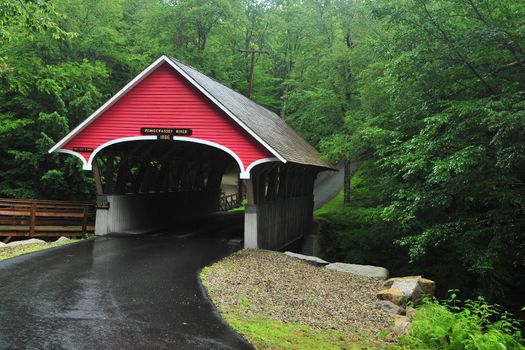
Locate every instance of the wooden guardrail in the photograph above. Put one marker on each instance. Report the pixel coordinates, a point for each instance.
(44, 218)
(229, 201)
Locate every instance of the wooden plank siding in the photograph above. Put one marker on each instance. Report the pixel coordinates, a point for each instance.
(44, 218)
(281, 222)
(284, 199)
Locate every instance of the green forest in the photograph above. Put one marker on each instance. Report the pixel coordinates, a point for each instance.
(428, 96)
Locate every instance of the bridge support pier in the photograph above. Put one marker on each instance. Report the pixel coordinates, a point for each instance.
(251, 240)
(102, 218)
(250, 227)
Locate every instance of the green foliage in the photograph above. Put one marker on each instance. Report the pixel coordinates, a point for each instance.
(35, 99)
(29, 16)
(358, 234)
(437, 106)
(473, 324)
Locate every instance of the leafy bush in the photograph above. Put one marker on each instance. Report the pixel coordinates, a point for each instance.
(357, 234)
(473, 324)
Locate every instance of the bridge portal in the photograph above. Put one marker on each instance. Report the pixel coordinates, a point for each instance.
(159, 149)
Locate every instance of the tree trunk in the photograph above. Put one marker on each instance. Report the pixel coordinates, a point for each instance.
(347, 178)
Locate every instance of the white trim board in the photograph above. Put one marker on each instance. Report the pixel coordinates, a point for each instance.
(141, 77)
(260, 161)
(87, 165)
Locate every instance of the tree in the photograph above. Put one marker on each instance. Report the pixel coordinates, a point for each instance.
(441, 92)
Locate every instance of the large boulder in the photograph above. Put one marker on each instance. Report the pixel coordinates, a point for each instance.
(63, 240)
(361, 270)
(393, 295)
(410, 289)
(311, 259)
(2, 244)
(415, 287)
(25, 242)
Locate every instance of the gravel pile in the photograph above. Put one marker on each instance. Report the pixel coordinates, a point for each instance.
(274, 285)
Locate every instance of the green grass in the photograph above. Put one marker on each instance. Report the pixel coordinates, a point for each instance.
(266, 333)
(334, 205)
(11, 252)
(239, 209)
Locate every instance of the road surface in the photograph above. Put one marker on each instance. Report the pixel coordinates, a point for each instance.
(328, 185)
(120, 292)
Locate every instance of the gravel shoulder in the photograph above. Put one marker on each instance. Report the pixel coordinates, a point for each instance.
(268, 284)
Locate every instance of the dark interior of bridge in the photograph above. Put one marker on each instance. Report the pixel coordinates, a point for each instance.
(162, 166)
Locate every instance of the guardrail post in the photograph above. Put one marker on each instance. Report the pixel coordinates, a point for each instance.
(84, 219)
(33, 219)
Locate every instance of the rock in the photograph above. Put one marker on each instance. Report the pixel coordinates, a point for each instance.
(410, 312)
(361, 270)
(415, 288)
(391, 308)
(26, 241)
(410, 289)
(308, 258)
(63, 239)
(428, 286)
(2, 244)
(393, 295)
(401, 325)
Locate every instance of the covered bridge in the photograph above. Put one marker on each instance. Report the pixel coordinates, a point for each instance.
(159, 149)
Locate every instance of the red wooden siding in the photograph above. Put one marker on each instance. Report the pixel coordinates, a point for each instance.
(164, 99)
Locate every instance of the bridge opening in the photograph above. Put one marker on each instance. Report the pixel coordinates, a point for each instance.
(148, 184)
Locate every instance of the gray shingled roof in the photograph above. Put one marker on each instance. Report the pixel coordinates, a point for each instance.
(263, 122)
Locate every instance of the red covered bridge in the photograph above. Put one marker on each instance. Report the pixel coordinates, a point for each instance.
(159, 149)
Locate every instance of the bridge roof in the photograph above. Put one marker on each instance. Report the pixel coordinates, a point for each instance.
(281, 138)
(267, 128)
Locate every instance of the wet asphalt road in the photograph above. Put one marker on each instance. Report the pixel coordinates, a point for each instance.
(125, 292)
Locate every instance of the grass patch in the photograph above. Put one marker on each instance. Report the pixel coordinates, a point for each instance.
(266, 333)
(10, 252)
(239, 209)
(336, 204)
